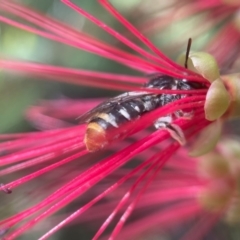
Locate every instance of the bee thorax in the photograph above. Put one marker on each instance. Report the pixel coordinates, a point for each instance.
(163, 122)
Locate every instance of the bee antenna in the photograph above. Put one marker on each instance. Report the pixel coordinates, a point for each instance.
(187, 52)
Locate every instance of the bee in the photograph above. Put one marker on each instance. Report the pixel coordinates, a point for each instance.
(107, 122)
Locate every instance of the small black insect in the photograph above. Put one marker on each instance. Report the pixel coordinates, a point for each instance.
(106, 121)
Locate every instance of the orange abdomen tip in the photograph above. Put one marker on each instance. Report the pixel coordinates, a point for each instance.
(95, 137)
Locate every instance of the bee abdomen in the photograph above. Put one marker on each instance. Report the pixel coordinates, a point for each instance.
(104, 127)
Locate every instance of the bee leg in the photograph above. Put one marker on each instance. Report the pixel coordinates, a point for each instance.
(175, 131)
(184, 115)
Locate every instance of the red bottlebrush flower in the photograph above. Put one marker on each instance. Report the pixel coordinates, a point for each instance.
(190, 193)
(214, 25)
(190, 109)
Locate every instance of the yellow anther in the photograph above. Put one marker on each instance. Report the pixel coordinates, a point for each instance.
(232, 83)
(203, 64)
(213, 165)
(217, 100)
(206, 140)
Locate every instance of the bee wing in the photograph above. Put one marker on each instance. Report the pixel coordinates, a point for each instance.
(110, 104)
